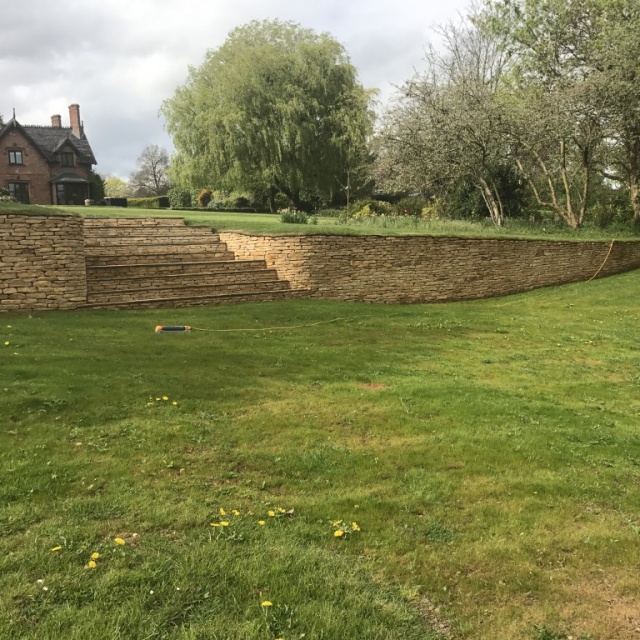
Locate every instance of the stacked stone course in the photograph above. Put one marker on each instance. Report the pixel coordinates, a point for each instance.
(426, 268)
(164, 263)
(41, 263)
(65, 262)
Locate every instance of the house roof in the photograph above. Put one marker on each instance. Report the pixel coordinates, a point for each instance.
(69, 177)
(49, 140)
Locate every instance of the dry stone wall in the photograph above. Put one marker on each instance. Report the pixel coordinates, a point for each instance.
(428, 269)
(41, 263)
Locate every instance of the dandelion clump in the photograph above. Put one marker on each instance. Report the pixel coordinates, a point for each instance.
(162, 400)
(342, 529)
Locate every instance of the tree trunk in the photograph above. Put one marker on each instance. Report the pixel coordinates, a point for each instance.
(492, 200)
(292, 194)
(271, 198)
(634, 180)
(294, 200)
(565, 212)
(634, 194)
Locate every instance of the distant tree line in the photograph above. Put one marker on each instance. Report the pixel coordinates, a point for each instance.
(529, 109)
(532, 104)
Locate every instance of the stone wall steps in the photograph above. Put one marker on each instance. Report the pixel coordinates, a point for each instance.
(96, 235)
(208, 267)
(145, 263)
(194, 290)
(162, 246)
(99, 228)
(145, 238)
(140, 302)
(124, 245)
(179, 280)
(190, 254)
(90, 222)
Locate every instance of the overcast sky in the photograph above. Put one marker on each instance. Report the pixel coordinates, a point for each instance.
(119, 59)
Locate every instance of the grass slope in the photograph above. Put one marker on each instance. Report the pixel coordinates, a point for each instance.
(488, 452)
(264, 223)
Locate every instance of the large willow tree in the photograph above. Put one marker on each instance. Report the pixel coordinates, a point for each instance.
(277, 108)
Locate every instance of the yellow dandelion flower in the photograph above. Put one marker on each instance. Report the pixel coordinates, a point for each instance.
(158, 399)
(338, 533)
(215, 524)
(266, 603)
(271, 514)
(95, 555)
(6, 344)
(92, 564)
(336, 523)
(165, 398)
(174, 403)
(281, 510)
(222, 512)
(56, 548)
(235, 512)
(224, 523)
(119, 541)
(261, 523)
(354, 526)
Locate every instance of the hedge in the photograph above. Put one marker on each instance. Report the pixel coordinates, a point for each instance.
(156, 202)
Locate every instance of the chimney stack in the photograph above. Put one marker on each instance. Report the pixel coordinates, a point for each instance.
(56, 122)
(74, 117)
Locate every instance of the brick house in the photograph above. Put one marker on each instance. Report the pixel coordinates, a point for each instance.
(46, 164)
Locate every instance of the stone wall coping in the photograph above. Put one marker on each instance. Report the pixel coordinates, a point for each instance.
(416, 236)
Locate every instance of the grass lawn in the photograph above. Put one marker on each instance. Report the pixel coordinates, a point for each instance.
(488, 453)
(265, 223)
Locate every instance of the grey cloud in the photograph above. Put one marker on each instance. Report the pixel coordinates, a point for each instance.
(119, 59)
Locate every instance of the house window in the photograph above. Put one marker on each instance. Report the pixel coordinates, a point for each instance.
(20, 191)
(66, 159)
(16, 157)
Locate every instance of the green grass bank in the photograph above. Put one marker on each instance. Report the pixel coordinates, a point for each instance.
(265, 223)
(487, 452)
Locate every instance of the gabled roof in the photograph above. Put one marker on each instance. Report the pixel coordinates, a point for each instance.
(69, 177)
(48, 140)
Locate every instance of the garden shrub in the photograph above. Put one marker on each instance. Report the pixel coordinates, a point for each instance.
(5, 196)
(204, 198)
(180, 198)
(294, 217)
(241, 202)
(411, 206)
(369, 207)
(155, 202)
(606, 213)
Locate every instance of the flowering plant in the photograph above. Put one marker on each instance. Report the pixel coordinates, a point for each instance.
(342, 529)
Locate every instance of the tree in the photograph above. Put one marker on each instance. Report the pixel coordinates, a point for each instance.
(276, 108)
(151, 176)
(576, 85)
(616, 58)
(447, 126)
(96, 186)
(556, 137)
(115, 187)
